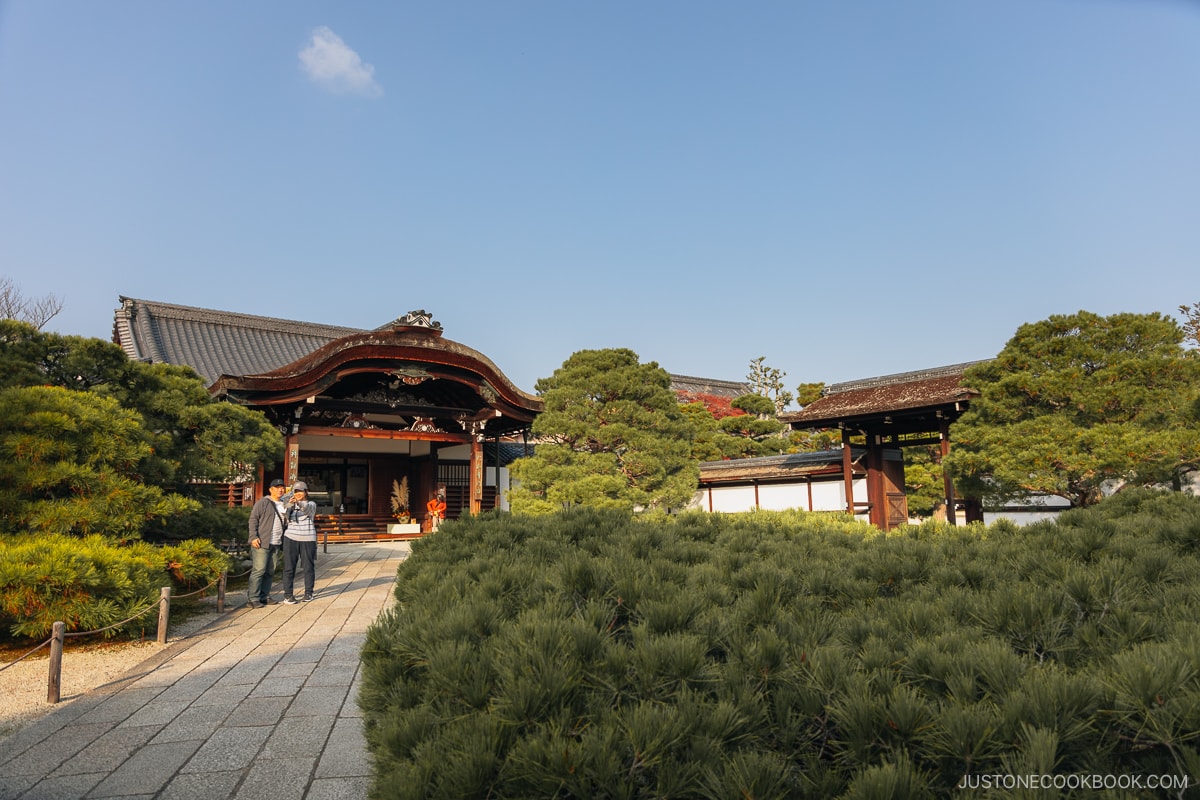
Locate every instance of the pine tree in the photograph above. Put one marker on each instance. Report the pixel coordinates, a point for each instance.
(1077, 405)
(191, 435)
(70, 462)
(612, 435)
(768, 382)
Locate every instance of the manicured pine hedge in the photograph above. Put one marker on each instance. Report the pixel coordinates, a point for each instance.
(786, 655)
(93, 582)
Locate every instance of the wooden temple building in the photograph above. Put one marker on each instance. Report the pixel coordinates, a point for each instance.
(358, 409)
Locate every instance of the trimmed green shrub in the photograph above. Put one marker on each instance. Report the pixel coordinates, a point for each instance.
(217, 524)
(788, 655)
(92, 582)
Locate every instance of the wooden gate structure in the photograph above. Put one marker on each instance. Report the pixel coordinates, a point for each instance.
(889, 413)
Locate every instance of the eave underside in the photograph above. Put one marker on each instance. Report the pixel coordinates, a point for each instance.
(384, 395)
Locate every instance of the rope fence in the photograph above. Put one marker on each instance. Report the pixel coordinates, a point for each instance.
(22, 658)
(59, 633)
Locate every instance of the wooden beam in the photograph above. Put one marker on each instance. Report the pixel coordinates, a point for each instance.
(379, 433)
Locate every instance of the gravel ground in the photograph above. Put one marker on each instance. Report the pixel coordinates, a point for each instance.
(23, 685)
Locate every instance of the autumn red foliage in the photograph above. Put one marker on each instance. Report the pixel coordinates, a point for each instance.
(718, 406)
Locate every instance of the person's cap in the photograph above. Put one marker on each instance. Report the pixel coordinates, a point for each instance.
(299, 486)
(276, 482)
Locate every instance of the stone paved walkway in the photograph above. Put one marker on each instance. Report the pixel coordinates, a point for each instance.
(259, 705)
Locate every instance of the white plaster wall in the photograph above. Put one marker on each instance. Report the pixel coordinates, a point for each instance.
(459, 452)
(827, 496)
(782, 496)
(489, 479)
(732, 499)
(1032, 509)
(831, 495)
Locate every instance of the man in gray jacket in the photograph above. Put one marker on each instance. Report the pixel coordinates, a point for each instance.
(267, 523)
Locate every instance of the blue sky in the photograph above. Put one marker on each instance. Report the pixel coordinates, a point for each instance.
(849, 189)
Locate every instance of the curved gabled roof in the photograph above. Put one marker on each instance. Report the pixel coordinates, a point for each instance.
(400, 350)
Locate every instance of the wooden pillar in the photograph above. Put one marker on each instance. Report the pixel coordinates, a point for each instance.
(947, 483)
(476, 488)
(848, 472)
(876, 496)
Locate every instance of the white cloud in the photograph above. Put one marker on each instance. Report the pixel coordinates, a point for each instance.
(334, 66)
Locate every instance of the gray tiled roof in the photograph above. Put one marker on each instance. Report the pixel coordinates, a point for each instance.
(509, 452)
(902, 392)
(216, 343)
(710, 386)
(950, 370)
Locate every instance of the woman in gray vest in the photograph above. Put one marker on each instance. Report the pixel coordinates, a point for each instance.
(299, 542)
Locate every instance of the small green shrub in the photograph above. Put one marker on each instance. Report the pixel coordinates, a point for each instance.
(92, 582)
(595, 654)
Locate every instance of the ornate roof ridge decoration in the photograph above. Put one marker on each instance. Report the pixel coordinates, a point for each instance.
(474, 424)
(387, 397)
(424, 425)
(948, 371)
(419, 318)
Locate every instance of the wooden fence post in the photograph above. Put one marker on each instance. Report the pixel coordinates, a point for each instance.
(54, 682)
(164, 613)
(221, 591)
